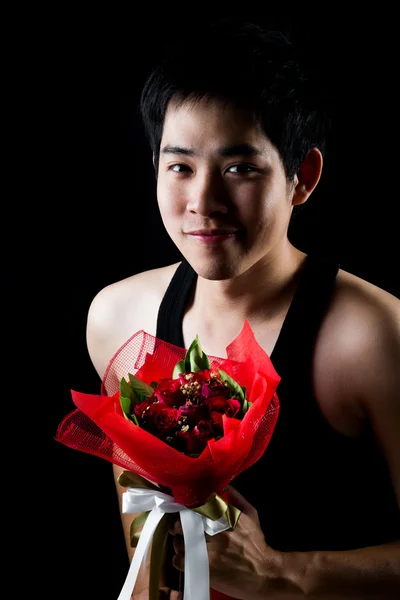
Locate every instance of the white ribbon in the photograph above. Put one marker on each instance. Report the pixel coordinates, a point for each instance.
(197, 575)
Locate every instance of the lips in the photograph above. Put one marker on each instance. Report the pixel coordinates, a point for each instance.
(213, 236)
(212, 232)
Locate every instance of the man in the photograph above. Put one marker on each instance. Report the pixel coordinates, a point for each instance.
(237, 135)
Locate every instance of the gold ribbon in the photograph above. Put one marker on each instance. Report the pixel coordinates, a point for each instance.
(214, 508)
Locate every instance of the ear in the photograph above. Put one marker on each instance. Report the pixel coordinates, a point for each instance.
(307, 176)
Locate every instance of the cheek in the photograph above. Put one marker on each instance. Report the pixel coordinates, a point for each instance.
(269, 215)
(170, 201)
(255, 208)
(273, 222)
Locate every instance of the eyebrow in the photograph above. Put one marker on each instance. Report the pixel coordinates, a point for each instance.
(225, 151)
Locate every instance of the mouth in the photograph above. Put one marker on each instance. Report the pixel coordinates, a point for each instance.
(213, 235)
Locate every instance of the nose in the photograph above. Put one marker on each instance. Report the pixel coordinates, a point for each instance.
(207, 195)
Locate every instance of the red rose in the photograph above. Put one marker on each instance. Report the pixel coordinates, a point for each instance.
(219, 406)
(225, 406)
(215, 388)
(169, 392)
(216, 419)
(200, 377)
(196, 440)
(193, 413)
(234, 407)
(204, 430)
(161, 419)
(139, 409)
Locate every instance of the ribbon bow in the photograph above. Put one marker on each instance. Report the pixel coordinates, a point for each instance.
(212, 517)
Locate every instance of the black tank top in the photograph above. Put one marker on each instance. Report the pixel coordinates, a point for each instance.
(314, 488)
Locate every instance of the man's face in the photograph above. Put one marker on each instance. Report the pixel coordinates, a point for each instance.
(223, 195)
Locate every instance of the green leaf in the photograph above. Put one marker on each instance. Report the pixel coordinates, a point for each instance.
(126, 404)
(126, 390)
(237, 391)
(195, 359)
(245, 406)
(179, 368)
(141, 388)
(132, 417)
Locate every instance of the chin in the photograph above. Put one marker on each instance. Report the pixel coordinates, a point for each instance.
(215, 263)
(214, 269)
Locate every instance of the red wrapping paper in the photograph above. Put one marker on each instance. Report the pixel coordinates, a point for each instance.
(98, 425)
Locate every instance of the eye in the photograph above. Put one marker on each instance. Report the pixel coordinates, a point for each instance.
(178, 168)
(241, 169)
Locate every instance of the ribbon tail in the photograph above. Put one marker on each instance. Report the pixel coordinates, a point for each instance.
(157, 557)
(197, 573)
(145, 537)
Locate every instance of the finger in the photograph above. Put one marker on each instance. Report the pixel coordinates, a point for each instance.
(178, 561)
(175, 525)
(236, 499)
(179, 545)
(165, 594)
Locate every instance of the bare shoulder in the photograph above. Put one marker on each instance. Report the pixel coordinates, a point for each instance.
(357, 352)
(122, 308)
(364, 305)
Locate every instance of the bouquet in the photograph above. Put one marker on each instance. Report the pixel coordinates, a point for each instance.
(183, 425)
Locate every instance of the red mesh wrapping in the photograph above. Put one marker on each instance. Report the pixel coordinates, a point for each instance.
(98, 425)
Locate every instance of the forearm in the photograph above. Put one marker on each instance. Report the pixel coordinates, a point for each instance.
(366, 573)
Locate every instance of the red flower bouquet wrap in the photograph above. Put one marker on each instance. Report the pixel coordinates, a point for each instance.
(102, 425)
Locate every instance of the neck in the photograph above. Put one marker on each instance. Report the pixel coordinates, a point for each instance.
(261, 293)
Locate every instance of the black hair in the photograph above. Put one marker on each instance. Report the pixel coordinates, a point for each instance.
(249, 66)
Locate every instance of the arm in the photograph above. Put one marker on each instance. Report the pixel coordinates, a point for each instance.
(262, 573)
(110, 321)
(372, 572)
(244, 566)
(366, 573)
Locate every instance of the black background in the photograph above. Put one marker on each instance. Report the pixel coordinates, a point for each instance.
(104, 225)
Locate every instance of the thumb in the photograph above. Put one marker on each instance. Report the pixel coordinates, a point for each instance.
(236, 499)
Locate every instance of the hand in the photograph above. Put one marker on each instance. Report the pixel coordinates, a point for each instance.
(165, 594)
(242, 565)
(141, 590)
